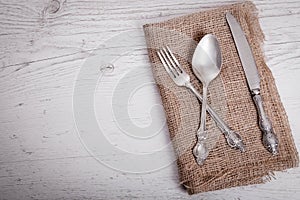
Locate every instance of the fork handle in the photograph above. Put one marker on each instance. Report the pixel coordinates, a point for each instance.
(233, 139)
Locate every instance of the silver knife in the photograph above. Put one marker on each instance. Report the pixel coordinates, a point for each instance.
(269, 139)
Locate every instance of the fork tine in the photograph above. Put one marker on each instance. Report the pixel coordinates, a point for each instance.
(173, 65)
(166, 66)
(169, 61)
(178, 66)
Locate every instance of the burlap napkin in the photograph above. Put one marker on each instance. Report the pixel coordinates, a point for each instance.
(230, 97)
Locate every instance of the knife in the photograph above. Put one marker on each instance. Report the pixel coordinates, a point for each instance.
(269, 139)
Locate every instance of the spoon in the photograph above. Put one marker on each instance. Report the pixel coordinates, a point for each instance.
(206, 64)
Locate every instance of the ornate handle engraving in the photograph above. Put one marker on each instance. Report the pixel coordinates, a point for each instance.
(234, 140)
(269, 140)
(200, 150)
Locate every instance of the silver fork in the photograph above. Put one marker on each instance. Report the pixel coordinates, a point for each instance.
(181, 78)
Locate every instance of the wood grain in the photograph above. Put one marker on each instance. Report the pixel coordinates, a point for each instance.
(45, 44)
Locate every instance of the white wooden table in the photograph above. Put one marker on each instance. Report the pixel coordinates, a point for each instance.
(47, 146)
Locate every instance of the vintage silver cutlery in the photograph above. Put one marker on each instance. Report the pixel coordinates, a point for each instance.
(269, 140)
(206, 64)
(181, 78)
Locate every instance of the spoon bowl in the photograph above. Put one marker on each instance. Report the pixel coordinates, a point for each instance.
(207, 60)
(206, 64)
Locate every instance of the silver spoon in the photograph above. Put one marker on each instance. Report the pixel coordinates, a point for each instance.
(206, 64)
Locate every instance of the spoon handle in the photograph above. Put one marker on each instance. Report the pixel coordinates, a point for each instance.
(200, 150)
(202, 127)
(234, 140)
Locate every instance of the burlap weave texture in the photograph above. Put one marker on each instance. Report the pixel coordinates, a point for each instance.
(229, 95)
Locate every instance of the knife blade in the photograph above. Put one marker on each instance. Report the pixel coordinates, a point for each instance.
(269, 139)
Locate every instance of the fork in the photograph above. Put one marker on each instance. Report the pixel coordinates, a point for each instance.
(181, 78)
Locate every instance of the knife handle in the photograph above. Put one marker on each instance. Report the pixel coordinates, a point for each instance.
(269, 139)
